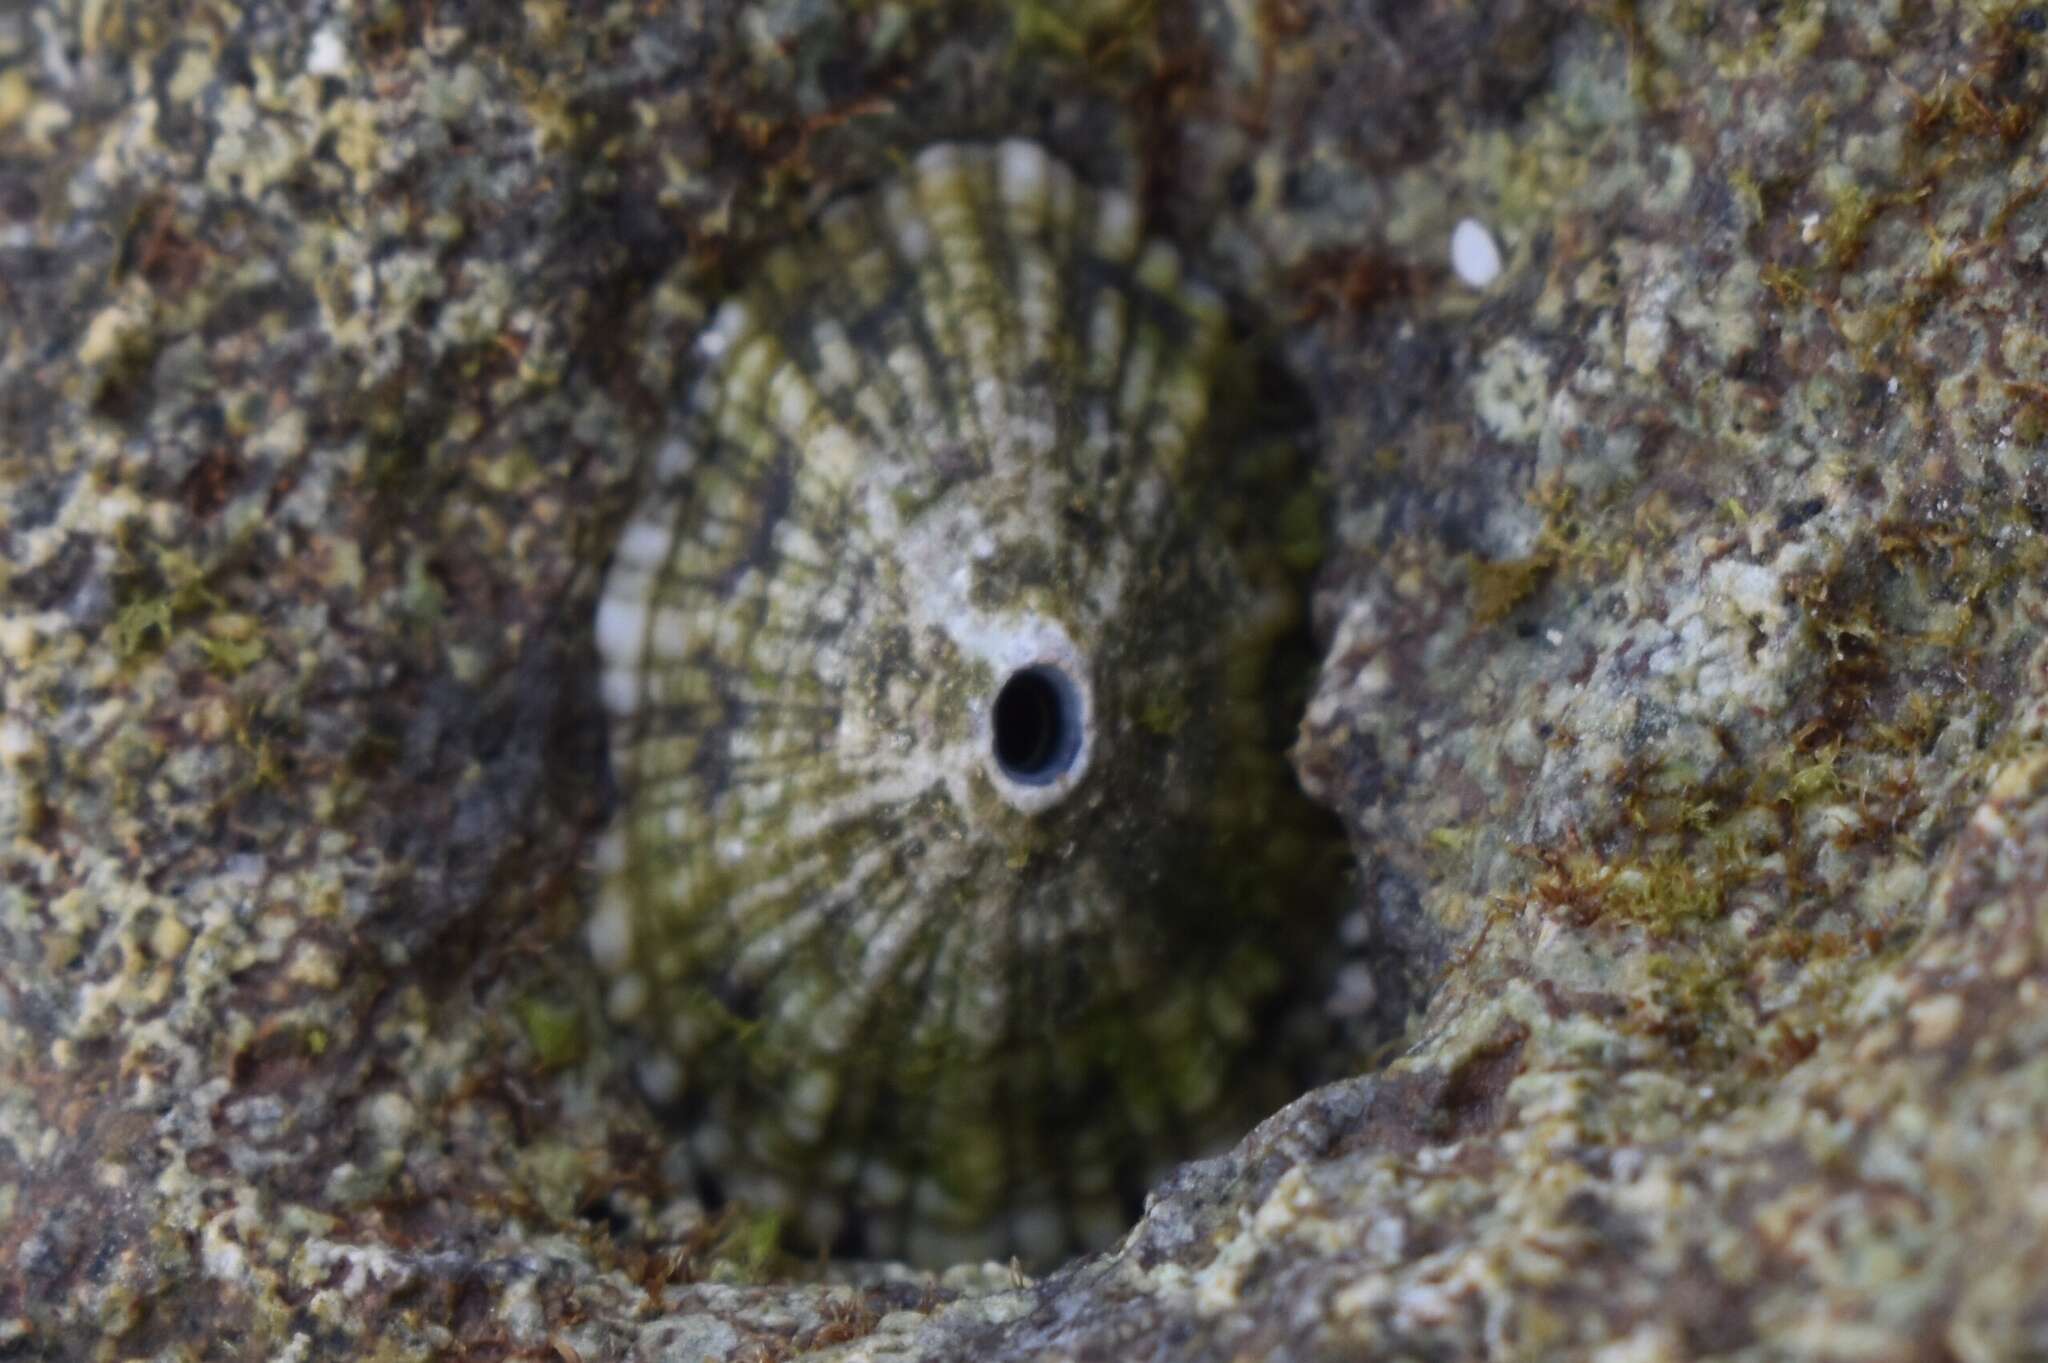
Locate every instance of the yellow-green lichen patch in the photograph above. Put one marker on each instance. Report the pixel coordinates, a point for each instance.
(372, 282)
(554, 1031)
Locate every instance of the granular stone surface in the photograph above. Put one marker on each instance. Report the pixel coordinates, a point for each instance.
(1682, 598)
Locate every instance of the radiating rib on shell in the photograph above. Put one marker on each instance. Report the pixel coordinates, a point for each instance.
(894, 990)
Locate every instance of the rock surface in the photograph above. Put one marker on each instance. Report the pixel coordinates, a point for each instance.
(1684, 701)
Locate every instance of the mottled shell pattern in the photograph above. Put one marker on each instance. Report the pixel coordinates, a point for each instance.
(956, 864)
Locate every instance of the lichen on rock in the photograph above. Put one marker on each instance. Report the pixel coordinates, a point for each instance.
(1682, 695)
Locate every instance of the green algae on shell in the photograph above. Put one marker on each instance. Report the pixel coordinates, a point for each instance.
(957, 869)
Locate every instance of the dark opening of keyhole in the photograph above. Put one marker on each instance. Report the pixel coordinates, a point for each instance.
(1037, 726)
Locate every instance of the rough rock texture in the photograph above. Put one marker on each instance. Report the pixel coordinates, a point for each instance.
(1685, 697)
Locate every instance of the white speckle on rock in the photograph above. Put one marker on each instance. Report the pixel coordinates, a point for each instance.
(326, 56)
(1372, 680)
(1756, 590)
(1935, 1021)
(391, 1117)
(1648, 334)
(19, 744)
(224, 1258)
(361, 1267)
(1475, 255)
(120, 328)
(1218, 1288)
(520, 1310)
(1652, 1343)
(314, 965)
(1355, 991)
(1512, 389)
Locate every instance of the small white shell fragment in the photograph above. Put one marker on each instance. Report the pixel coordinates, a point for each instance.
(1475, 255)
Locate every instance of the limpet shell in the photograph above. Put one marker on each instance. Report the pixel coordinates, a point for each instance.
(957, 868)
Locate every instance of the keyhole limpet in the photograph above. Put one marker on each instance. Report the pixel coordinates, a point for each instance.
(957, 868)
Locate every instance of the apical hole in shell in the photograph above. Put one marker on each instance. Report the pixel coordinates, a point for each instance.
(1037, 728)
